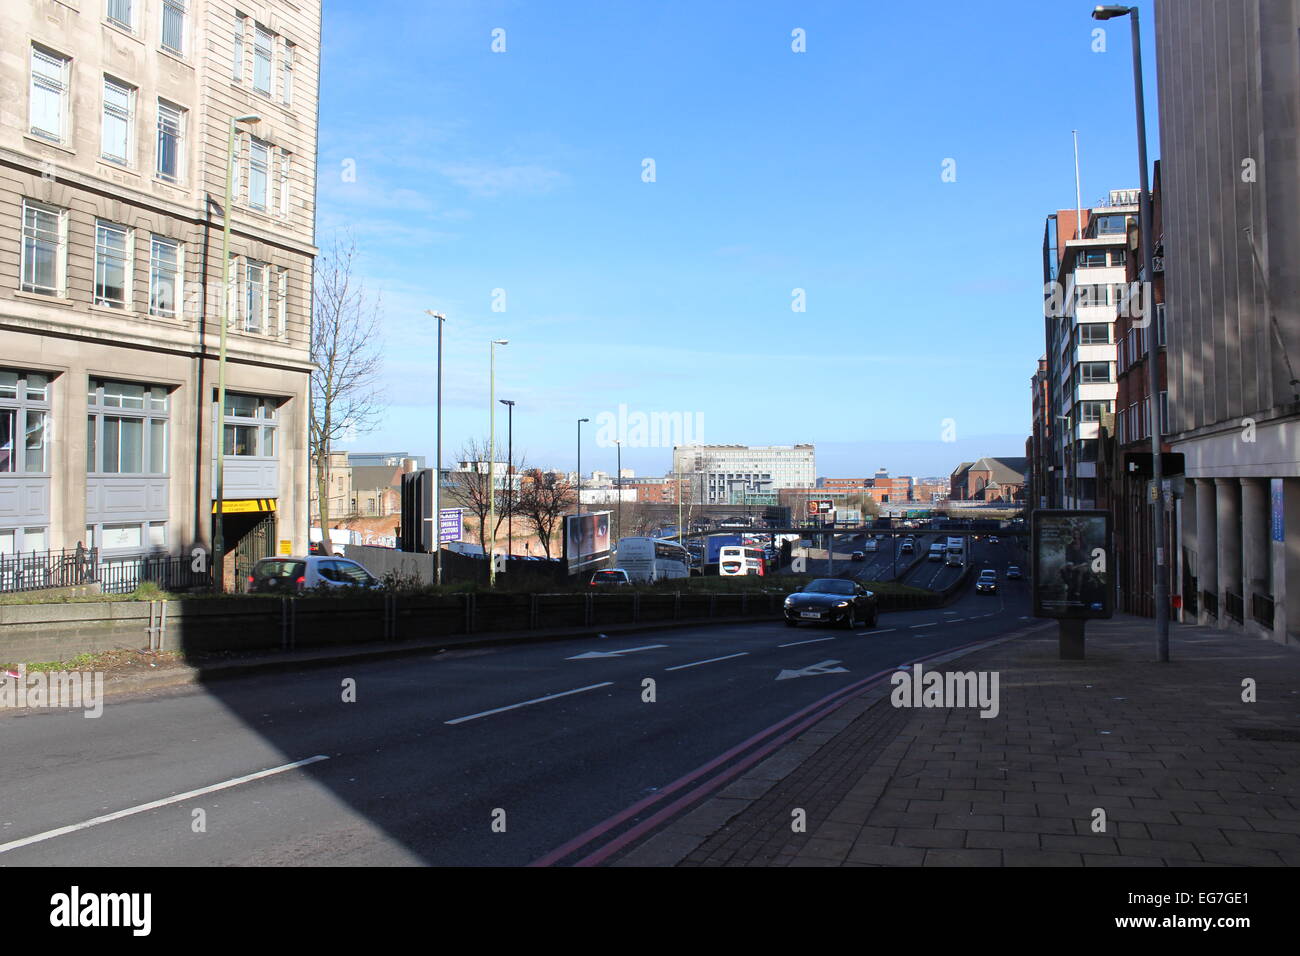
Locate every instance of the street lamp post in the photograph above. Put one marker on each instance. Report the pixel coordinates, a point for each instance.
(510, 476)
(579, 522)
(618, 487)
(219, 436)
(1066, 434)
(491, 529)
(437, 460)
(1161, 575)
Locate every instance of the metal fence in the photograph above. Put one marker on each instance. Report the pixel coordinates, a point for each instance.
(43, 570)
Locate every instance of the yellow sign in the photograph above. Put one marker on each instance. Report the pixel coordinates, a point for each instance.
(244, 505)
(286, 546)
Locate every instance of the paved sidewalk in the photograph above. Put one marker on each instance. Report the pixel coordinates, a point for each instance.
(1186, 773)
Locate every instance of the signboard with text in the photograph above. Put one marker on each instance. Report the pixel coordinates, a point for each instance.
(1072, 560)
(451, 525)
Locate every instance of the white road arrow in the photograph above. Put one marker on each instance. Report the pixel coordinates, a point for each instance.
(824, 667)
(627, 650)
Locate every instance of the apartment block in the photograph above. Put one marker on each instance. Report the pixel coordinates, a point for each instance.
(740, 474)
(115, 117)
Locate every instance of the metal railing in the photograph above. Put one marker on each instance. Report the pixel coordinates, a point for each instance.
(1235, 606)
(1261, 610)
(38, 570)
(1210, 603)
(45, 570)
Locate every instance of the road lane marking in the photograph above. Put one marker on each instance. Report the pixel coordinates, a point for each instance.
(711, 660)
(931, 624)
(815, 640)
(627, 650)
(535, 700)
(821, 667)
(155, 804)
(884, 631)
(954, 620)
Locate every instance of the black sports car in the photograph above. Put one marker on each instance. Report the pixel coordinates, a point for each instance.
(832, 601)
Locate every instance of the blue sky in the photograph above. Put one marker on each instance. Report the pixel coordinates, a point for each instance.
(774, 171)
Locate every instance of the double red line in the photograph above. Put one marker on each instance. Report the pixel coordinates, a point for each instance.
(801, 719)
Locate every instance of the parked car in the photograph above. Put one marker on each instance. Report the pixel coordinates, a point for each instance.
(1014, 573)
(610, 577)
(292, 575)
(988, 582)
(832, 601)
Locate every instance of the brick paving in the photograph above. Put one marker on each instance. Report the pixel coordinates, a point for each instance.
(1185, 772)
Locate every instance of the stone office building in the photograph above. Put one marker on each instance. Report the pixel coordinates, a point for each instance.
(114, 119)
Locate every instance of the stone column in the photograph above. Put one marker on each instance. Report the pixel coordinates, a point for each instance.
(1207, 548)
(1257, 571)
(1228, 495)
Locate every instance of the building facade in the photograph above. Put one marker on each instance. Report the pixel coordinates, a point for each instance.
(740, 474)
(1084, 262)
(1229, 94)
(114, 118)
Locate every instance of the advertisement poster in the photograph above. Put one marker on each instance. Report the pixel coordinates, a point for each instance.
(586, 538)
(1073, 572)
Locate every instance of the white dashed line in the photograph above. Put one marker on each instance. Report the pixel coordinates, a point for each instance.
(535, 700)
(815, 640)
(931, 624)
(711, 660)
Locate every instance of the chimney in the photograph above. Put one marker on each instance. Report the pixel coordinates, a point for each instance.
(408, 465)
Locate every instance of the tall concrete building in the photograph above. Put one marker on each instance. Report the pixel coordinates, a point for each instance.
(1229, 89)
(1083, 274)
(114, 118)
(740, 474)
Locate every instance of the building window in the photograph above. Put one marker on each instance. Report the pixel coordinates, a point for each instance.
(281, 302)
(254, 296)
(258, 173)
(165, 261)
(173, 26)
(1093, 373)
(119, 120)
(24, 422)
(250, 423)
(119, 12)
(285, 159)
(286, 74)
(112, 265)
(1092, 258)
(1112, 225)
(1092, 411)
(263, 43)
(1094, 333)
(171, 138)
(126, 428)
(237, 67)
(48, 104)
(1160, 324)
(44, 248)
(1117, 257)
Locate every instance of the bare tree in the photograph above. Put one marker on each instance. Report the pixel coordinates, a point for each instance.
(543, 499)
(345, 350)
(470, 489)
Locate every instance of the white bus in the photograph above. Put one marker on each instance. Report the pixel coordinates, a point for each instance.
(653, 559)
(733, 560)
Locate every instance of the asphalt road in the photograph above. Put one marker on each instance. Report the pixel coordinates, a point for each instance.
(546, 739)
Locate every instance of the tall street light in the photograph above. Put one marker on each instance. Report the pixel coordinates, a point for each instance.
(580, 421)
(618, 487)
(219, 438)
(437, 459)
(510, 475)
(1161, 574)
(492, 464)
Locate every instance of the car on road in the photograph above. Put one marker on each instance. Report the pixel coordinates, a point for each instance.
(993, 539)
(988, 582)
(871, 545)
(610, 577)
(857, 556)
(1014, 573)
(907, 547)
(832, 601)
(292, 575)
(938, 551)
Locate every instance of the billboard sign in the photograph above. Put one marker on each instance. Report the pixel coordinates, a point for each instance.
(586, 538)
(1072, 564)
(820, 506)
(451, 525)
